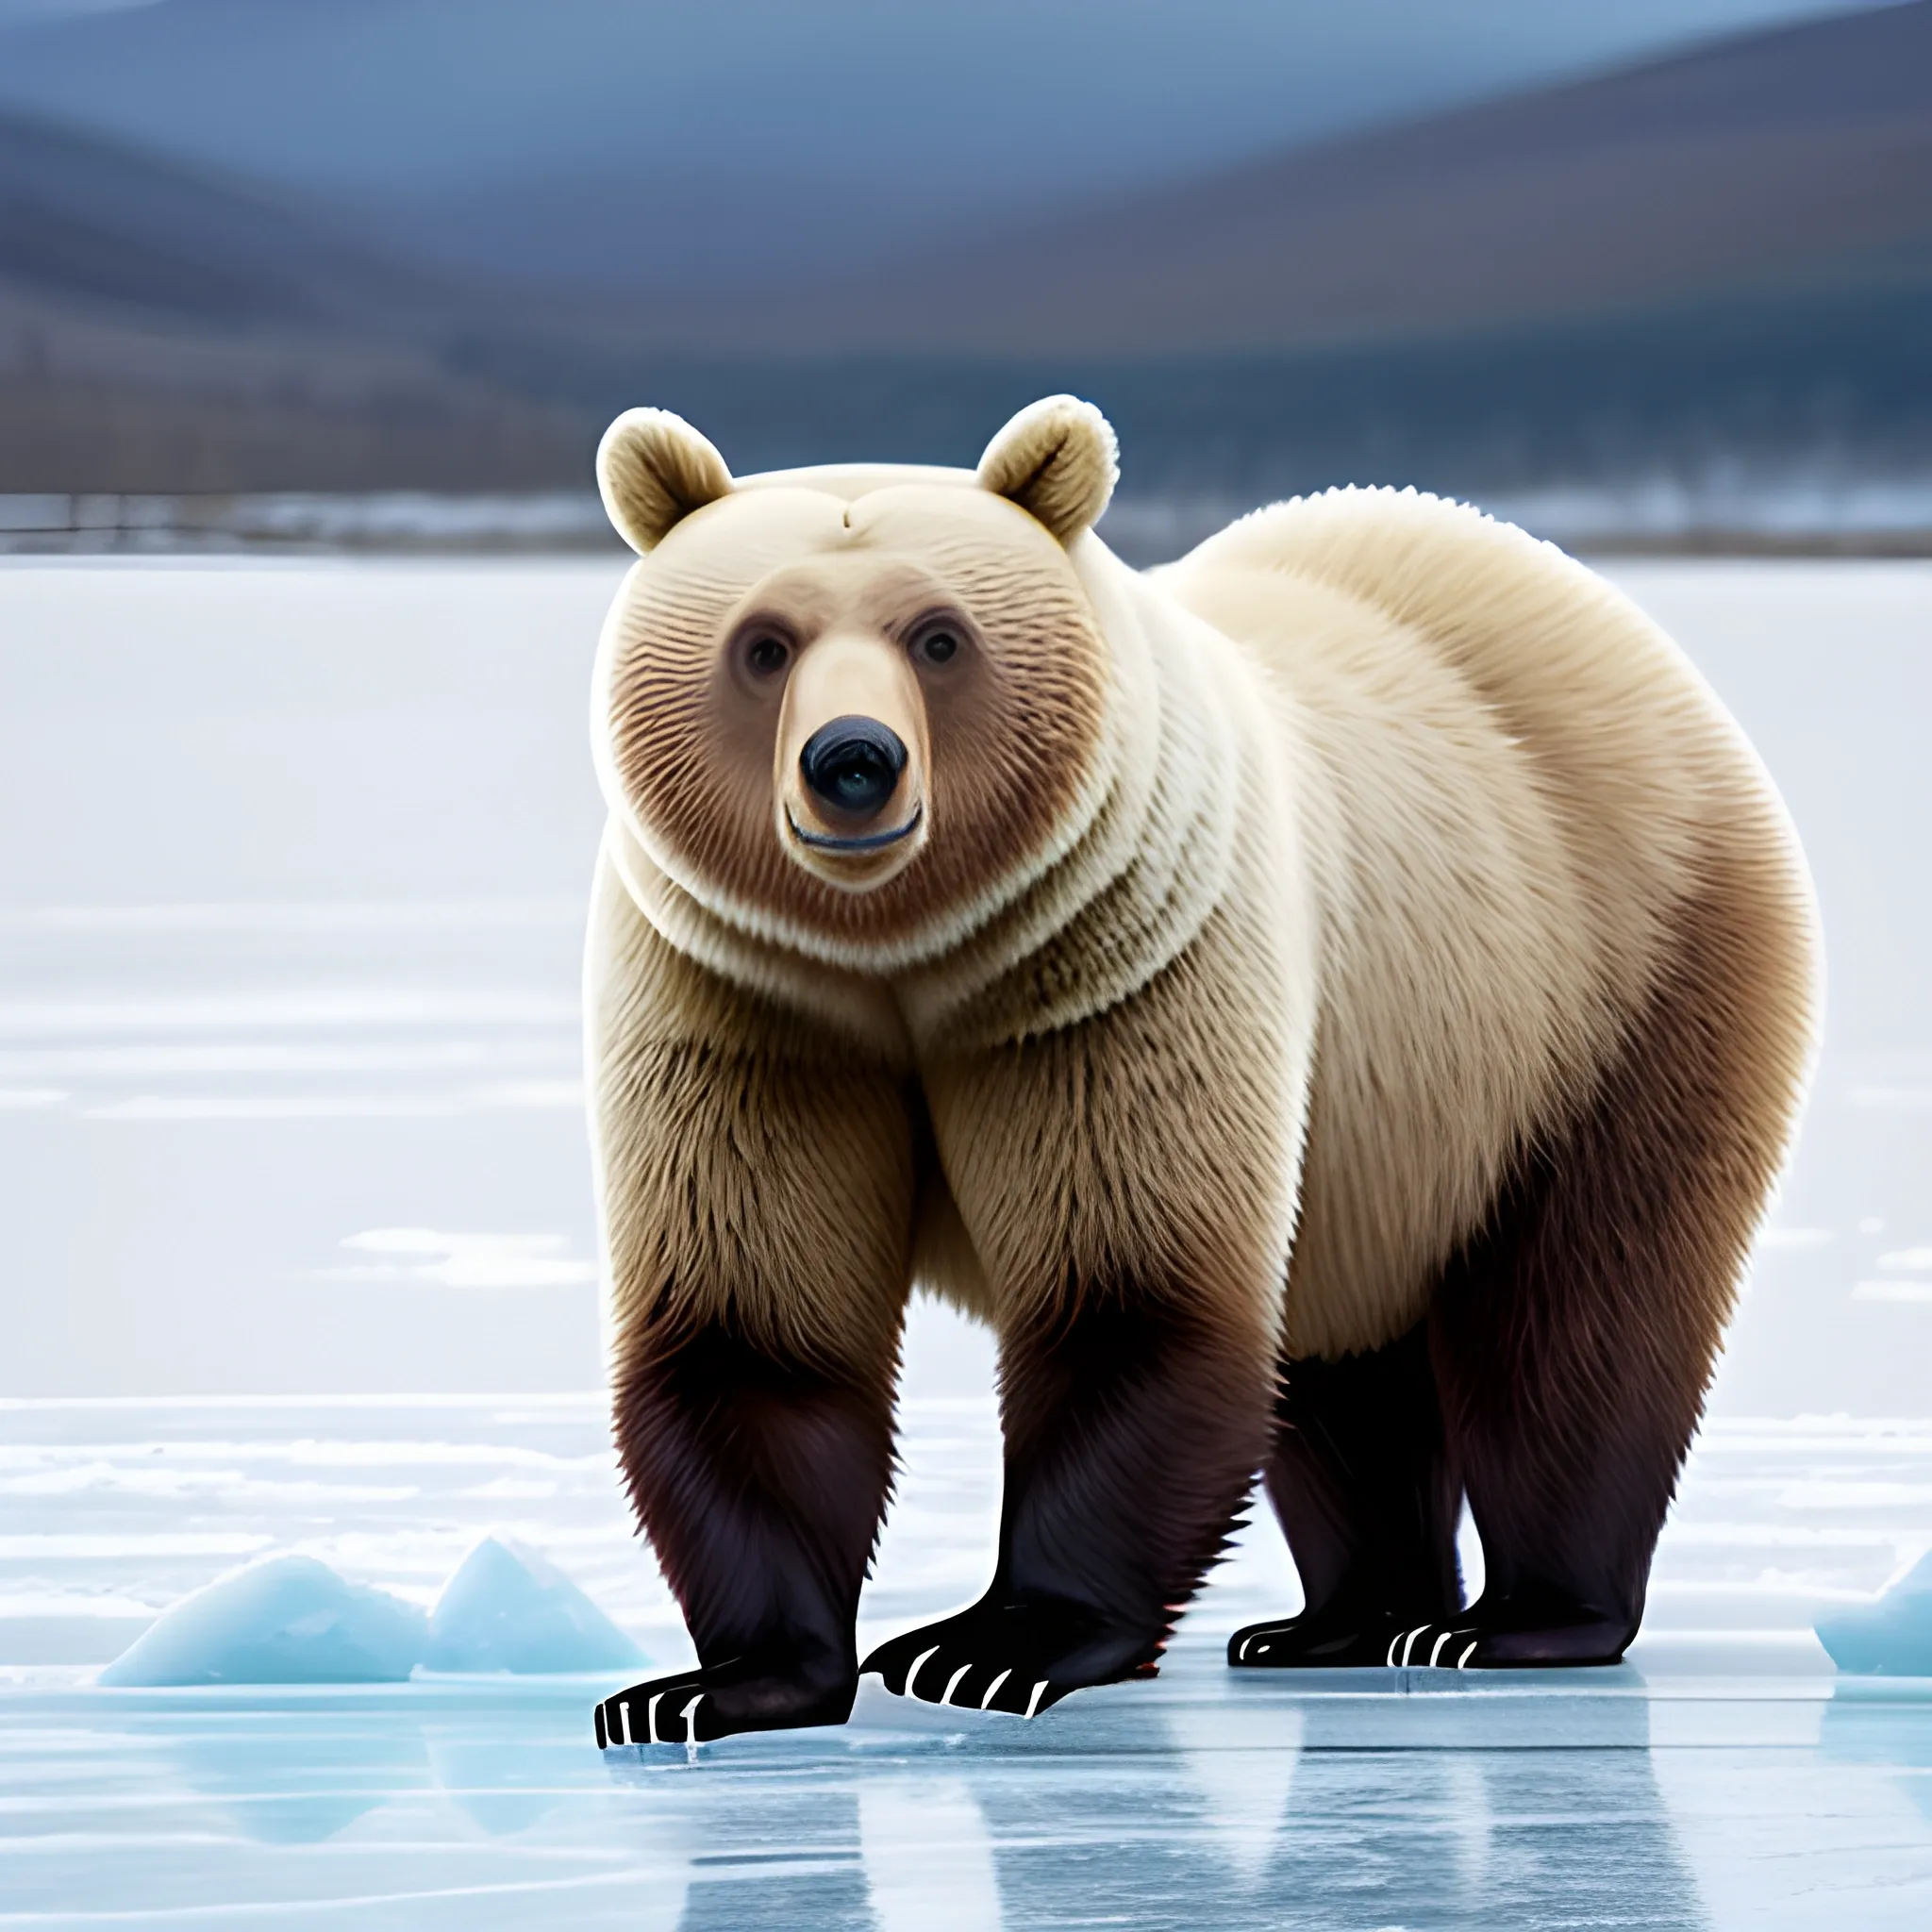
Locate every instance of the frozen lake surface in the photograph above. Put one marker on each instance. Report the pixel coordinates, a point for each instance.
(1721, 1777)
(292, 861)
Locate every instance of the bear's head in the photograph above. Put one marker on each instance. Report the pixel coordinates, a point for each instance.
(854, 711)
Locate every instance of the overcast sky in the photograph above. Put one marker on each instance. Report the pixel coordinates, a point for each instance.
(977, 98)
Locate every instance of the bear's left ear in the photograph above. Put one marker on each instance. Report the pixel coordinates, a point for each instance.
(1056, 459)
(653, 470)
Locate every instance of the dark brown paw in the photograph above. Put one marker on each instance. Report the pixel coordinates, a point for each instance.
(1021, 1658)
(698, 1707)
(1493, 1639)
(1335, 1638)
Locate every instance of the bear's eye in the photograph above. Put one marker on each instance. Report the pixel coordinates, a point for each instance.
(766, 655)
(937, 645)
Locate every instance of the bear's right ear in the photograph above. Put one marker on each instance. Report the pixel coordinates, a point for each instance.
(653, 470)
(1057, 459)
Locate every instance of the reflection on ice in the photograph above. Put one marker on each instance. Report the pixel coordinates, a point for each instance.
(260, 1790)
(929, 1856)
(1207, 1802)
(1368, 1800)
(1241, 1758)
(1891, 1729)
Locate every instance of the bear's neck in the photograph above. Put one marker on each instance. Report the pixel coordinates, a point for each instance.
(1189, 761)
(1154, 853)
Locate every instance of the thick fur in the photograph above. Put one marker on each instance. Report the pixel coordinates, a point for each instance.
(1374, 865)
(653, 470)
(1522, 797)
(1059, 461)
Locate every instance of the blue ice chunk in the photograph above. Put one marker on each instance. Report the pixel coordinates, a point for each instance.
(507, 1608)
(1892, 1638)
(290, 1619)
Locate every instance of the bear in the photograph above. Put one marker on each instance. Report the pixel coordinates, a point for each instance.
(1336, 1005)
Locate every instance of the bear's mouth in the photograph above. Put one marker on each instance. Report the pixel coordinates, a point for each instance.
(859, 842)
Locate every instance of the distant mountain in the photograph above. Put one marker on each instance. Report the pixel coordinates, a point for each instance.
(1785, 163)
(161, 328)
(90, 220)
(1728, 251)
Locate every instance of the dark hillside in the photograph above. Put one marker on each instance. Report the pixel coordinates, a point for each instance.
(89, 220)
(1722, 257)
(162, 330)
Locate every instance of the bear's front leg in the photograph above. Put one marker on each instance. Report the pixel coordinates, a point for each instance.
(1133, 1429)
(761, 1479)
(758, 1178)
(1125, 1183)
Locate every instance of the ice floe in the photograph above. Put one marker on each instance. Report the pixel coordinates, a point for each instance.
(1891, 1638)
(508, 1608)
(292, 1619)
(288, 1620)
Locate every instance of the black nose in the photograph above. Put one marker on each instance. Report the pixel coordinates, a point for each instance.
(853, 764)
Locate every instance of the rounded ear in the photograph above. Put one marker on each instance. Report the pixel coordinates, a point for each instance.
(1056, 459)
(653, 470)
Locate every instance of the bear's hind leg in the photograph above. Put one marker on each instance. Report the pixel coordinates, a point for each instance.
(1361, 1481)
(1570, 1416)
(1575, 1336)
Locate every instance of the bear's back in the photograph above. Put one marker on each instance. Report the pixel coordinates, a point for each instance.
(1520, 783)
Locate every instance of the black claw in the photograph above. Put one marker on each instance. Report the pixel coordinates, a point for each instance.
(1540, 1635)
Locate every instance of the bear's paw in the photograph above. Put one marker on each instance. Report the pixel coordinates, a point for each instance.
(1020, 1659)
(1341, 1637)
(1546, 1630)
(700, 1706)
(1497, 1641)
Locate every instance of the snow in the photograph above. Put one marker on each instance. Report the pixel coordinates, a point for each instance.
(509, 1608)
(289, 1620)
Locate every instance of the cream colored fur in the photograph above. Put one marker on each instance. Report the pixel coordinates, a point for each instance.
(1380, 835)
(1516, 777)
(1058, 461)
(653, 470)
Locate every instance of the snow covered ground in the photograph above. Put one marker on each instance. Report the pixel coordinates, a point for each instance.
(292, 865)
